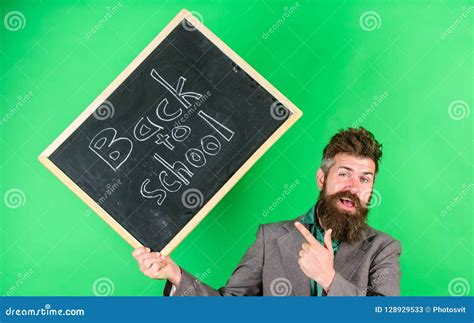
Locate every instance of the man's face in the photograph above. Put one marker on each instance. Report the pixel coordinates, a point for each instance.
(345, 196)
(351, 174)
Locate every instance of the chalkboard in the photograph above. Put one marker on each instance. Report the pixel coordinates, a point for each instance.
(170, 136)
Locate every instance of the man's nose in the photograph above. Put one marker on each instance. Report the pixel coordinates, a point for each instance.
(353, 187)
(354, 190)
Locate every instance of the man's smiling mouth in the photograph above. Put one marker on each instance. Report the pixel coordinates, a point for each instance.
(347, 202)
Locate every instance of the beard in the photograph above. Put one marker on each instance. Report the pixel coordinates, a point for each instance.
(346, 225)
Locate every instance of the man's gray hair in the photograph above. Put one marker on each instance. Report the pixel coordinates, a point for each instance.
(326, 164)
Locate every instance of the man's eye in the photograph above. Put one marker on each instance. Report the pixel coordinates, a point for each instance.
(344, 175)
(364, 180)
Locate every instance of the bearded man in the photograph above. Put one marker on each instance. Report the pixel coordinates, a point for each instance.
(328, 251)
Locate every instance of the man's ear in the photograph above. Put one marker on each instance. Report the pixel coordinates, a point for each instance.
(320, 178)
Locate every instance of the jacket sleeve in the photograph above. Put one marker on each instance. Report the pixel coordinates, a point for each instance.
(384, 276)
(246, 279)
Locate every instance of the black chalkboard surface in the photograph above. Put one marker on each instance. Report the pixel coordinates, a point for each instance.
(170, 136)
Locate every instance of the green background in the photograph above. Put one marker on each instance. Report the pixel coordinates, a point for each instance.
(332, 66)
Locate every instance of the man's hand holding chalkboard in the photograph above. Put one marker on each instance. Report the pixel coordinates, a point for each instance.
(157, 266)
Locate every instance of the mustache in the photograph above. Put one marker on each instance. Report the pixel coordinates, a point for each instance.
(349, 195)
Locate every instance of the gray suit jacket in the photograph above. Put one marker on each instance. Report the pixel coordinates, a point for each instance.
(270, 266)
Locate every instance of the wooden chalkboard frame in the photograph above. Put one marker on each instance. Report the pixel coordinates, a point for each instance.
(44, 157)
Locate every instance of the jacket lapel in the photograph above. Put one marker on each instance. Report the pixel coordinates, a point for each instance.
(290, 246)
(349, 256)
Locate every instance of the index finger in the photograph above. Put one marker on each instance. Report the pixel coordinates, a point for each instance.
(306, 234)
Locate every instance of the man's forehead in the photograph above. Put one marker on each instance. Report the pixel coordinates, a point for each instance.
(355, 163)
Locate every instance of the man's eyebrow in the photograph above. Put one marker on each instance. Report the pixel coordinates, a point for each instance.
(351, 170)
(345, 167)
